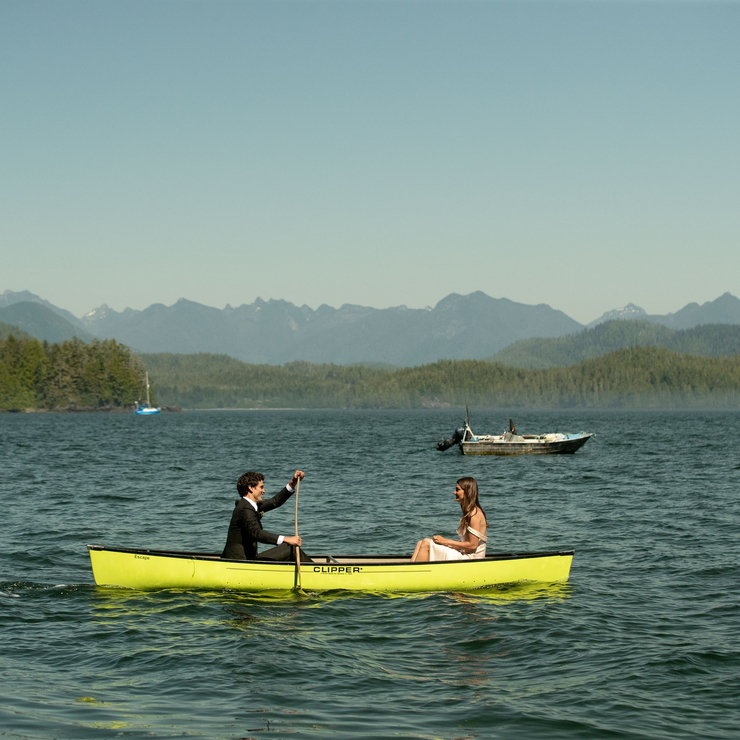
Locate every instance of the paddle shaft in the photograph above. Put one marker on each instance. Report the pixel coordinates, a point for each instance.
(297, 547)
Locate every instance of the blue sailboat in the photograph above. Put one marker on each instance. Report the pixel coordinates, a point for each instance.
(146, 409)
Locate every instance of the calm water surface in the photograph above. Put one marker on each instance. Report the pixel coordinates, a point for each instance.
(643, 642)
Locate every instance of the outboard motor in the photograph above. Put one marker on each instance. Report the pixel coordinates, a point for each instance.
(456, 438)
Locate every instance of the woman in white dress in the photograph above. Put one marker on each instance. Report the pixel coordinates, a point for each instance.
(472, 530)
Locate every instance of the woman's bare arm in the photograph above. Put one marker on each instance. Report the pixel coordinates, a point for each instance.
(469, 545)
(468, 542)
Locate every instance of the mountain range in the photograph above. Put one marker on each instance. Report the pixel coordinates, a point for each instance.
(43, 322)
(723, 310)
(473, 326)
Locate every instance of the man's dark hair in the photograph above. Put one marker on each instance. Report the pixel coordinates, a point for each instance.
(249, 480)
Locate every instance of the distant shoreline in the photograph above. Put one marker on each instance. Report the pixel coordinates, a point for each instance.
(505, 409)
(87, 410)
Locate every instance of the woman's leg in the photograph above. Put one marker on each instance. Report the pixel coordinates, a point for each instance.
(416, 551)
(421, 554)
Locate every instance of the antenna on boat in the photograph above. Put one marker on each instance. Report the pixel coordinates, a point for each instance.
(467, 417)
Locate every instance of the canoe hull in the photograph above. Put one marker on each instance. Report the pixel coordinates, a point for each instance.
(537, 447)
(160, 569)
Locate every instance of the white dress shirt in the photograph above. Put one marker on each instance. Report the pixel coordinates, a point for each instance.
(254, 505)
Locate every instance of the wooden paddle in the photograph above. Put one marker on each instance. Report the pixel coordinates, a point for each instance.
(297, 548)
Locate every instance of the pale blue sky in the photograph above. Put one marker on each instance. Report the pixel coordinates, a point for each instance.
(580, 154)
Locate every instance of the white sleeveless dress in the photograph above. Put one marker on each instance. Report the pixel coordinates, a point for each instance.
(442, 552)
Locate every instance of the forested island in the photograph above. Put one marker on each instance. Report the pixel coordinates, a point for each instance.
(69, 376)
(106, 375)
(640, 377)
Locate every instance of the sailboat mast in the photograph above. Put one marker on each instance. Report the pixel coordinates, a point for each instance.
(147, 388)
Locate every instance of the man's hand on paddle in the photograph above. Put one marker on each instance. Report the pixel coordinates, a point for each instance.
(298, 475)
(293, 540)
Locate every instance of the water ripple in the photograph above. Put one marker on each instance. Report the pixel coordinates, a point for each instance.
(641, 643)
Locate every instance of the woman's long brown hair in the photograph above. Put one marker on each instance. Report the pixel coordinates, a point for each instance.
(470, 501)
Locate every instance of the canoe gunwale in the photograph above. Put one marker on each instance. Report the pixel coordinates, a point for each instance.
(383, 560)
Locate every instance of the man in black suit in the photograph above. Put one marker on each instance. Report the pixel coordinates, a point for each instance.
(245, 528)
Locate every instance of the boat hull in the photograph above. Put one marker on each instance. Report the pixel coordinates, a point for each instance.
(161, 569)
(540, 446)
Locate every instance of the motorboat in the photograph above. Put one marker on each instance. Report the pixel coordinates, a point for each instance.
(511, 443)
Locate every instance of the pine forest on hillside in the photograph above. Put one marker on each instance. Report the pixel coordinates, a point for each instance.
(71, 375)
(630, 378)
(106, 375)
(708, 340)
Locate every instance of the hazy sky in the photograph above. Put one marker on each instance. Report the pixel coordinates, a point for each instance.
(580, 154)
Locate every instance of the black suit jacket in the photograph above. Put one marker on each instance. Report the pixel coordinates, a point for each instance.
(245, 527)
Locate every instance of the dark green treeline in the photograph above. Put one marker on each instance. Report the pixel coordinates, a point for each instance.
(641, 377)
(105, 375)
(67, 376)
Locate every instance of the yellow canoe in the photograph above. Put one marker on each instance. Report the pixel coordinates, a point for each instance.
(164, 569)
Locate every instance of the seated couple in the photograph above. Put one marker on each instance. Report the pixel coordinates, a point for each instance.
(245, 527)
(472, 530)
